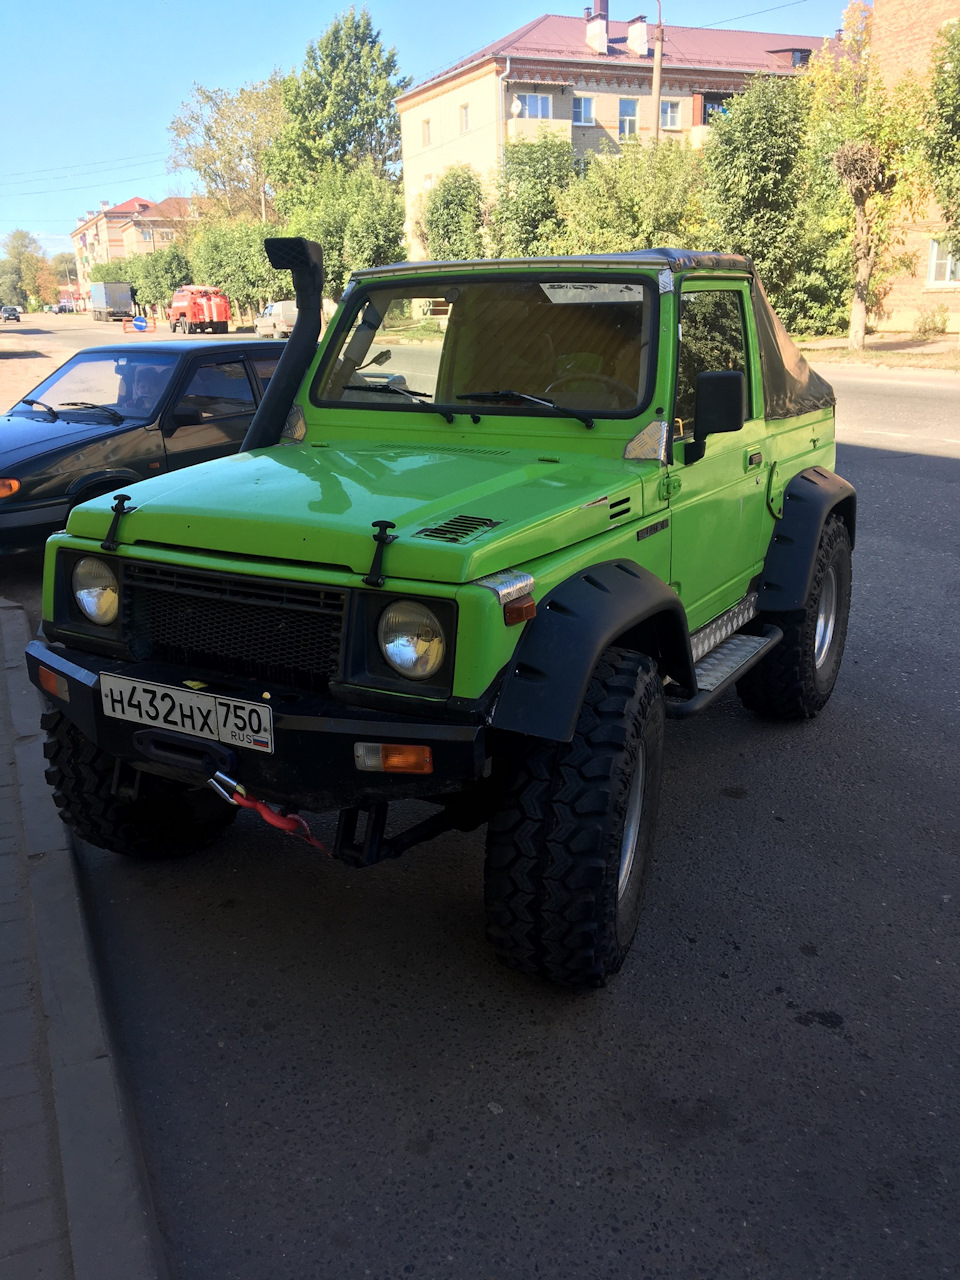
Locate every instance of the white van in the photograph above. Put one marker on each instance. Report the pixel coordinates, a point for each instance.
(276, 320)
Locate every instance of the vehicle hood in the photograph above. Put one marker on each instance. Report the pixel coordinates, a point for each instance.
(317, 505)
(22, 438)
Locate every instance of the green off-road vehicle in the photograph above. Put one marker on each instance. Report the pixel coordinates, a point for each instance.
(479, 544)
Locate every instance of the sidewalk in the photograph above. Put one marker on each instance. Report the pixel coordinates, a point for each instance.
(74, 1203)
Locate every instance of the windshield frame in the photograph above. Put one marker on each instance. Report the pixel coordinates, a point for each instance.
(359, 293)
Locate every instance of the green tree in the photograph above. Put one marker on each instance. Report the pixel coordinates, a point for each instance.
(943, 138)
(526, 219)
(755, 178)
(340, 108)
(452, 224)
(224, 137)
(160, 273)
(65, 267)
(649, 194)
(231, 256)
(356, 215)
(23, 253)
(874, 139)
(119, 271)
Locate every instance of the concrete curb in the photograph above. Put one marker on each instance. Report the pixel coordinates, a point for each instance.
(111, 1220)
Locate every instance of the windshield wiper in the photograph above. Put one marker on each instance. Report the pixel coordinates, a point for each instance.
(389, 389)
(86, 404)
(494, 396)
(40, 405)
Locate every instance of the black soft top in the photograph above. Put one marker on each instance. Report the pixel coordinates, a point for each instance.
(790, 386)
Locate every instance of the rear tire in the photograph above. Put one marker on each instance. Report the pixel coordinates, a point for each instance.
(164, 819)
(568, 851)
(795, 680)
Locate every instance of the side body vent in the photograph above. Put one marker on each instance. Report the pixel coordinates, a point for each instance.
(620, 507)
(458, 529)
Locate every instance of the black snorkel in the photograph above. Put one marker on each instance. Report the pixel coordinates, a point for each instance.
(304, 258)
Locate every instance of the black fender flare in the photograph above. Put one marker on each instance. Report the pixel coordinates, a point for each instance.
(615, 602)
(808, 500)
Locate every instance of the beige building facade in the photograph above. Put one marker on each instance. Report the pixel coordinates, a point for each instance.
(589, 80)
(902, 39)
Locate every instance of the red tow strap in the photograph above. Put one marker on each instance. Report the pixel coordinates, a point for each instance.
(290, 823)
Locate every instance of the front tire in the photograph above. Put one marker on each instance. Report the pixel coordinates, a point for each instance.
(568, 851)
(161, 819)
(796, 678)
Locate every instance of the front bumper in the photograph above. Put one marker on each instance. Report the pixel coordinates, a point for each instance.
(312, 765)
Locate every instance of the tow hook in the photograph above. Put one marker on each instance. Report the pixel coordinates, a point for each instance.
(290, 823)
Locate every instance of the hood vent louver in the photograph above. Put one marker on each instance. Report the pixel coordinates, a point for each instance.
(458, 529)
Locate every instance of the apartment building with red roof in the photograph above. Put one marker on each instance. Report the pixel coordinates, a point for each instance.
(124, 230)
(587, 79)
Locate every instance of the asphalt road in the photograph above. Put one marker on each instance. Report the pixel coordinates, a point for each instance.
(334, 1079)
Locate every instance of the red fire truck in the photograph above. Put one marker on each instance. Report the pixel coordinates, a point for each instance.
(198, 307)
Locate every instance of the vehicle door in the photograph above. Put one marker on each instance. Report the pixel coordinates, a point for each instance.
(716, 501)
(211, 415)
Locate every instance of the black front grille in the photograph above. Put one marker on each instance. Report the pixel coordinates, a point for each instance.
(286, 633)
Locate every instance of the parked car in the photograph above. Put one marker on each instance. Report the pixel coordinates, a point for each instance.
(10, 313)
(199, 307)
(113, 415)
(277, 320)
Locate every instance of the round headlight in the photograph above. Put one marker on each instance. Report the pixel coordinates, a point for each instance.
(411, 639)
(96, 590)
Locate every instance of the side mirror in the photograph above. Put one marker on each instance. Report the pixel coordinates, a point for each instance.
(183, 418)
(721, 405)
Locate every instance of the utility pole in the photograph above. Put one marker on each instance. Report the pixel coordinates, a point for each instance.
(657, 72)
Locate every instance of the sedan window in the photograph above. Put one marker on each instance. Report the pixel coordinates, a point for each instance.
(217, 391)
(266, 367)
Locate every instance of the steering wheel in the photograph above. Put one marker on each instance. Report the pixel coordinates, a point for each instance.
(625, 393)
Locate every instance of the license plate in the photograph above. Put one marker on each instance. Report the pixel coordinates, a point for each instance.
(201, 715)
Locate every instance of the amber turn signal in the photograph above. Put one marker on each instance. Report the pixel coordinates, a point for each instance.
(8, 488)
(519, 610)
(53, 684)
(388, 757)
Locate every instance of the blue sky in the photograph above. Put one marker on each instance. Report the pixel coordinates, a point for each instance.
(87, 99)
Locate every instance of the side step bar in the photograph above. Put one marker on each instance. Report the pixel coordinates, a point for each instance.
(722, 667)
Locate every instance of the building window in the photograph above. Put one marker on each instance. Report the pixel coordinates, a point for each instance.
(166, 235)
(628, 117)
(944, 267)
(669, 115)
(425, 133)
(465, 118)
(713, 103)
(583, 111)
(534, 106)
(146, 235)
(799, 57)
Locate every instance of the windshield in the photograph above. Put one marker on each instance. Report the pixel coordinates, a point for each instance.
(129, 385)
(502, 346)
